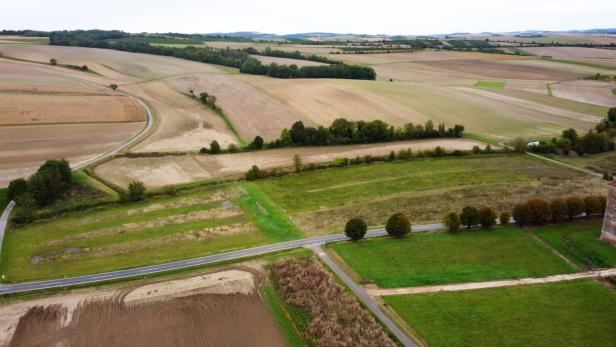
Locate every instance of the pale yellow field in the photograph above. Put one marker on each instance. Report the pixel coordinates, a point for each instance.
(285, 61)
(162, 171)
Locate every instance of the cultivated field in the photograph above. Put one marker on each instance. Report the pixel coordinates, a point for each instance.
(592, 92)
(568, 313)
(24, 148)
(594, 55)
(286, 61)
(155, 231)
(424, 189)
(219, 307)
(441, 258)
(161, 171)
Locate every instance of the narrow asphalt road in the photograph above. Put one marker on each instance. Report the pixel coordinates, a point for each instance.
(182, 264)
(363, 296)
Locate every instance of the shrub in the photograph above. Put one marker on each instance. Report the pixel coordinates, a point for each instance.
(113, 86)
(355, 229)
(297, 162)
(469, 217)
(136, 191)
(591, 206)
(204, 150)
(214, 147)
(257, 143)
(504, 218)
(233, 148)
(575, 206)
(170, 190)
(519, 145)
(53, 61)
(451, 221)
(25, 210)
(521, 214)
(398, 225)
(254, 173)
(558, 209)
(607, 176)
(539, 211)
(17, 188)
(487, 217)
(602, 204)
(39, 186)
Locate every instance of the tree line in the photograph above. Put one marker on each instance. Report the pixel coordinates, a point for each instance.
(236, 58)
(268, 52)
(536, 211)
(594, 141)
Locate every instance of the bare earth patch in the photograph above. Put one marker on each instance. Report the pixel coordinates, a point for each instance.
(592, 92)
(197, 310)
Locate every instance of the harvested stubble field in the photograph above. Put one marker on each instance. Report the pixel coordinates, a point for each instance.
(593, 92)
(265, 60)
(424, 189)
(594, 55)
(24, 148)
(161, 171)
(579, 313)
(161, 230)
(219, 308)
(601, 162)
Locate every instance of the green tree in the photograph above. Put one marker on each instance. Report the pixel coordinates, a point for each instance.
(24, 213)
(521, 214)
(257, 142)
(398, 225)
(203, 98)
(285, 137)
(519, 145)
(355, 229)
(558, 209)
(451, 221)
(16, 188)
(113, 86)
(136, 191)
(53, 61)
(575, 206)
(469, 217)
(298, 132)
(254, 173)
(297, 162)
(570, 134)
(39, 186)
(487, 217)
(214, 147)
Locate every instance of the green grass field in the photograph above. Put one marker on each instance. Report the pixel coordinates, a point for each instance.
(580, 243)
(156, 231)
(490, 84)
(26, 40)
(560, 314)
(442, 258)
(322, 201)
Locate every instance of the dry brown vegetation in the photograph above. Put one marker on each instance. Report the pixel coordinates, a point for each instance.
(501, 70)
(337, 319)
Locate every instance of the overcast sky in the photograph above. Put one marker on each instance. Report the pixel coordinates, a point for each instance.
(285, 17)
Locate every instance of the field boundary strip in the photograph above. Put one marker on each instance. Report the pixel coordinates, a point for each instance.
(491, 284)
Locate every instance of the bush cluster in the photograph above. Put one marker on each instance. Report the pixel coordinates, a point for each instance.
(355, 229)
(398, 225)
(45, 186)
(336, 319)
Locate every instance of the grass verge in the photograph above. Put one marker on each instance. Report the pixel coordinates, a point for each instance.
(267, 215)
(580, 243)
(4, 200)
(581, 313)
(442, 258)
